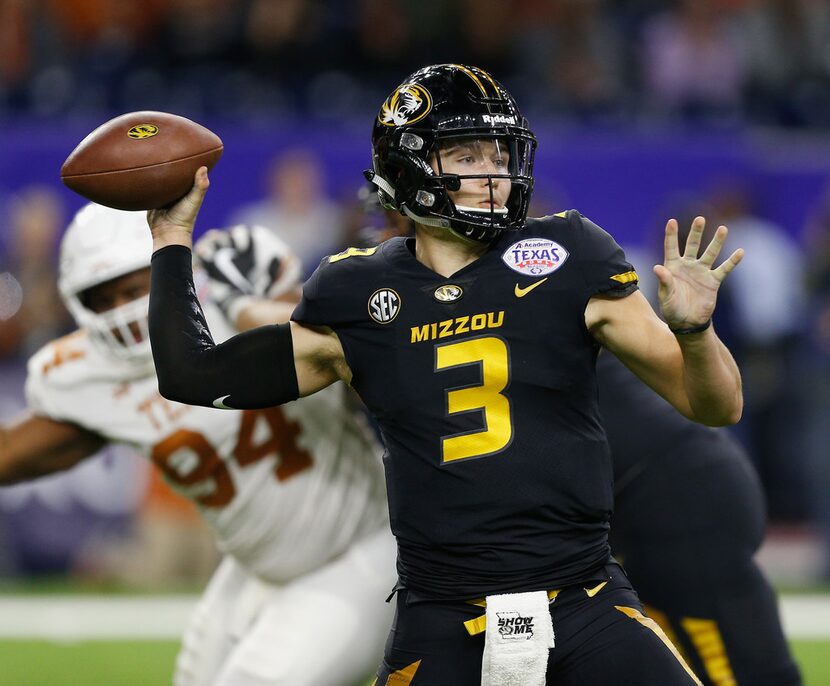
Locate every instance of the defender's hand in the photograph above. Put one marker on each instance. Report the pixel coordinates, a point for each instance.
(174, 225)
(243, 262)
(228, 260)
(688, 285)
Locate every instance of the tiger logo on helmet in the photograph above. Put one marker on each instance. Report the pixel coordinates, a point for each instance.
(434, 108)
(409, 103)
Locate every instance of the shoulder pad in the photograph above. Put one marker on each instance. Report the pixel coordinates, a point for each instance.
(558, 219)
(74, 360)
(62, 360)
(350, 252)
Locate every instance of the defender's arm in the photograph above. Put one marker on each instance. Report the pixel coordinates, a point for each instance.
(34, 446)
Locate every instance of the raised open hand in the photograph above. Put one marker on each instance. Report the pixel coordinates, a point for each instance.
(688, 284)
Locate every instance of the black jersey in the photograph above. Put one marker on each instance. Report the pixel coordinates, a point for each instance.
(626, 402)
(498, 472)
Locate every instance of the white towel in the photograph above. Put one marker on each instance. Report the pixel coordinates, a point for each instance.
(517, 639)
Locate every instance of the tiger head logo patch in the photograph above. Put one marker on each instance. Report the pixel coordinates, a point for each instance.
(409, 103)
(141, 131)
(448, 293)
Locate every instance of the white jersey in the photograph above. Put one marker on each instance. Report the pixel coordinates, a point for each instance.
(285, 489)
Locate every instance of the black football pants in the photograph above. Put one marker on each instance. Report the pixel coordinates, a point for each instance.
(686, 530)
(601, 640)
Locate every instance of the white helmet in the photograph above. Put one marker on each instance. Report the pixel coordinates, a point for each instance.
(102, 244)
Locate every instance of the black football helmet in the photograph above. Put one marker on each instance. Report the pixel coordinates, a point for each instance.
(435, 107)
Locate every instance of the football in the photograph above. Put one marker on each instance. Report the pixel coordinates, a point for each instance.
(140, 160)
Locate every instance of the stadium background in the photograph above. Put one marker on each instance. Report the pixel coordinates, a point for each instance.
(644, 109)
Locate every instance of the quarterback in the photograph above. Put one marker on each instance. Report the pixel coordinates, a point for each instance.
(474, 347)
(294, 494)
(689, 517)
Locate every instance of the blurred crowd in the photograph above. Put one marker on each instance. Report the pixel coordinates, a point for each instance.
(720, 62)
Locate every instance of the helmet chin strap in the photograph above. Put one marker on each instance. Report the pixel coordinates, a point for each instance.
(427, 221)
(438, 222)
(445, 224)
(380, 182)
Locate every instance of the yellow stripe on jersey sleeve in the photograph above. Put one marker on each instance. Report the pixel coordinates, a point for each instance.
(626, 277)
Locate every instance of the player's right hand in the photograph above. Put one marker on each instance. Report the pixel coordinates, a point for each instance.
(174, 225)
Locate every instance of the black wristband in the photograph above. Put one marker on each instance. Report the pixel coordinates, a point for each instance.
(692, 329)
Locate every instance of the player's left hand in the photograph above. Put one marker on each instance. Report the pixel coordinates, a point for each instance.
(688, 284)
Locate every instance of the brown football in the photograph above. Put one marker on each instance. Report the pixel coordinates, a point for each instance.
(140, 160)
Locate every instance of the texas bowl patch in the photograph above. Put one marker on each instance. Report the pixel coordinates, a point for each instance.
(535, 256)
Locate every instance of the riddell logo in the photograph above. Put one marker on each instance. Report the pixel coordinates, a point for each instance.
(498, 119)
(514, 627)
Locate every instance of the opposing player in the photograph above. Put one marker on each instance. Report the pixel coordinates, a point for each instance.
(294, 494)
(474, 346)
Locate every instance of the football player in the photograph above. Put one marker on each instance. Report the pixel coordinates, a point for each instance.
(688, 519)
(294, 494)
(474, 347)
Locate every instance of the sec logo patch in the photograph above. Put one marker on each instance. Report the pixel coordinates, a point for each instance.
(535, 256)
(384, 305)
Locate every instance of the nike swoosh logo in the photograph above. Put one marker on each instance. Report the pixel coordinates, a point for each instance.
(223, 259)
(591, 592)
(219, 403)
(522, 292)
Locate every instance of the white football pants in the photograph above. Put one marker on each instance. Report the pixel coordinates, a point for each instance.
(325, 628)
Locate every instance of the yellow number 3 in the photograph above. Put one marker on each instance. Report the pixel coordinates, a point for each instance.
(491, 354)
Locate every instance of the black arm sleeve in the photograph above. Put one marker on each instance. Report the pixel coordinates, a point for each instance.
(250, 370)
